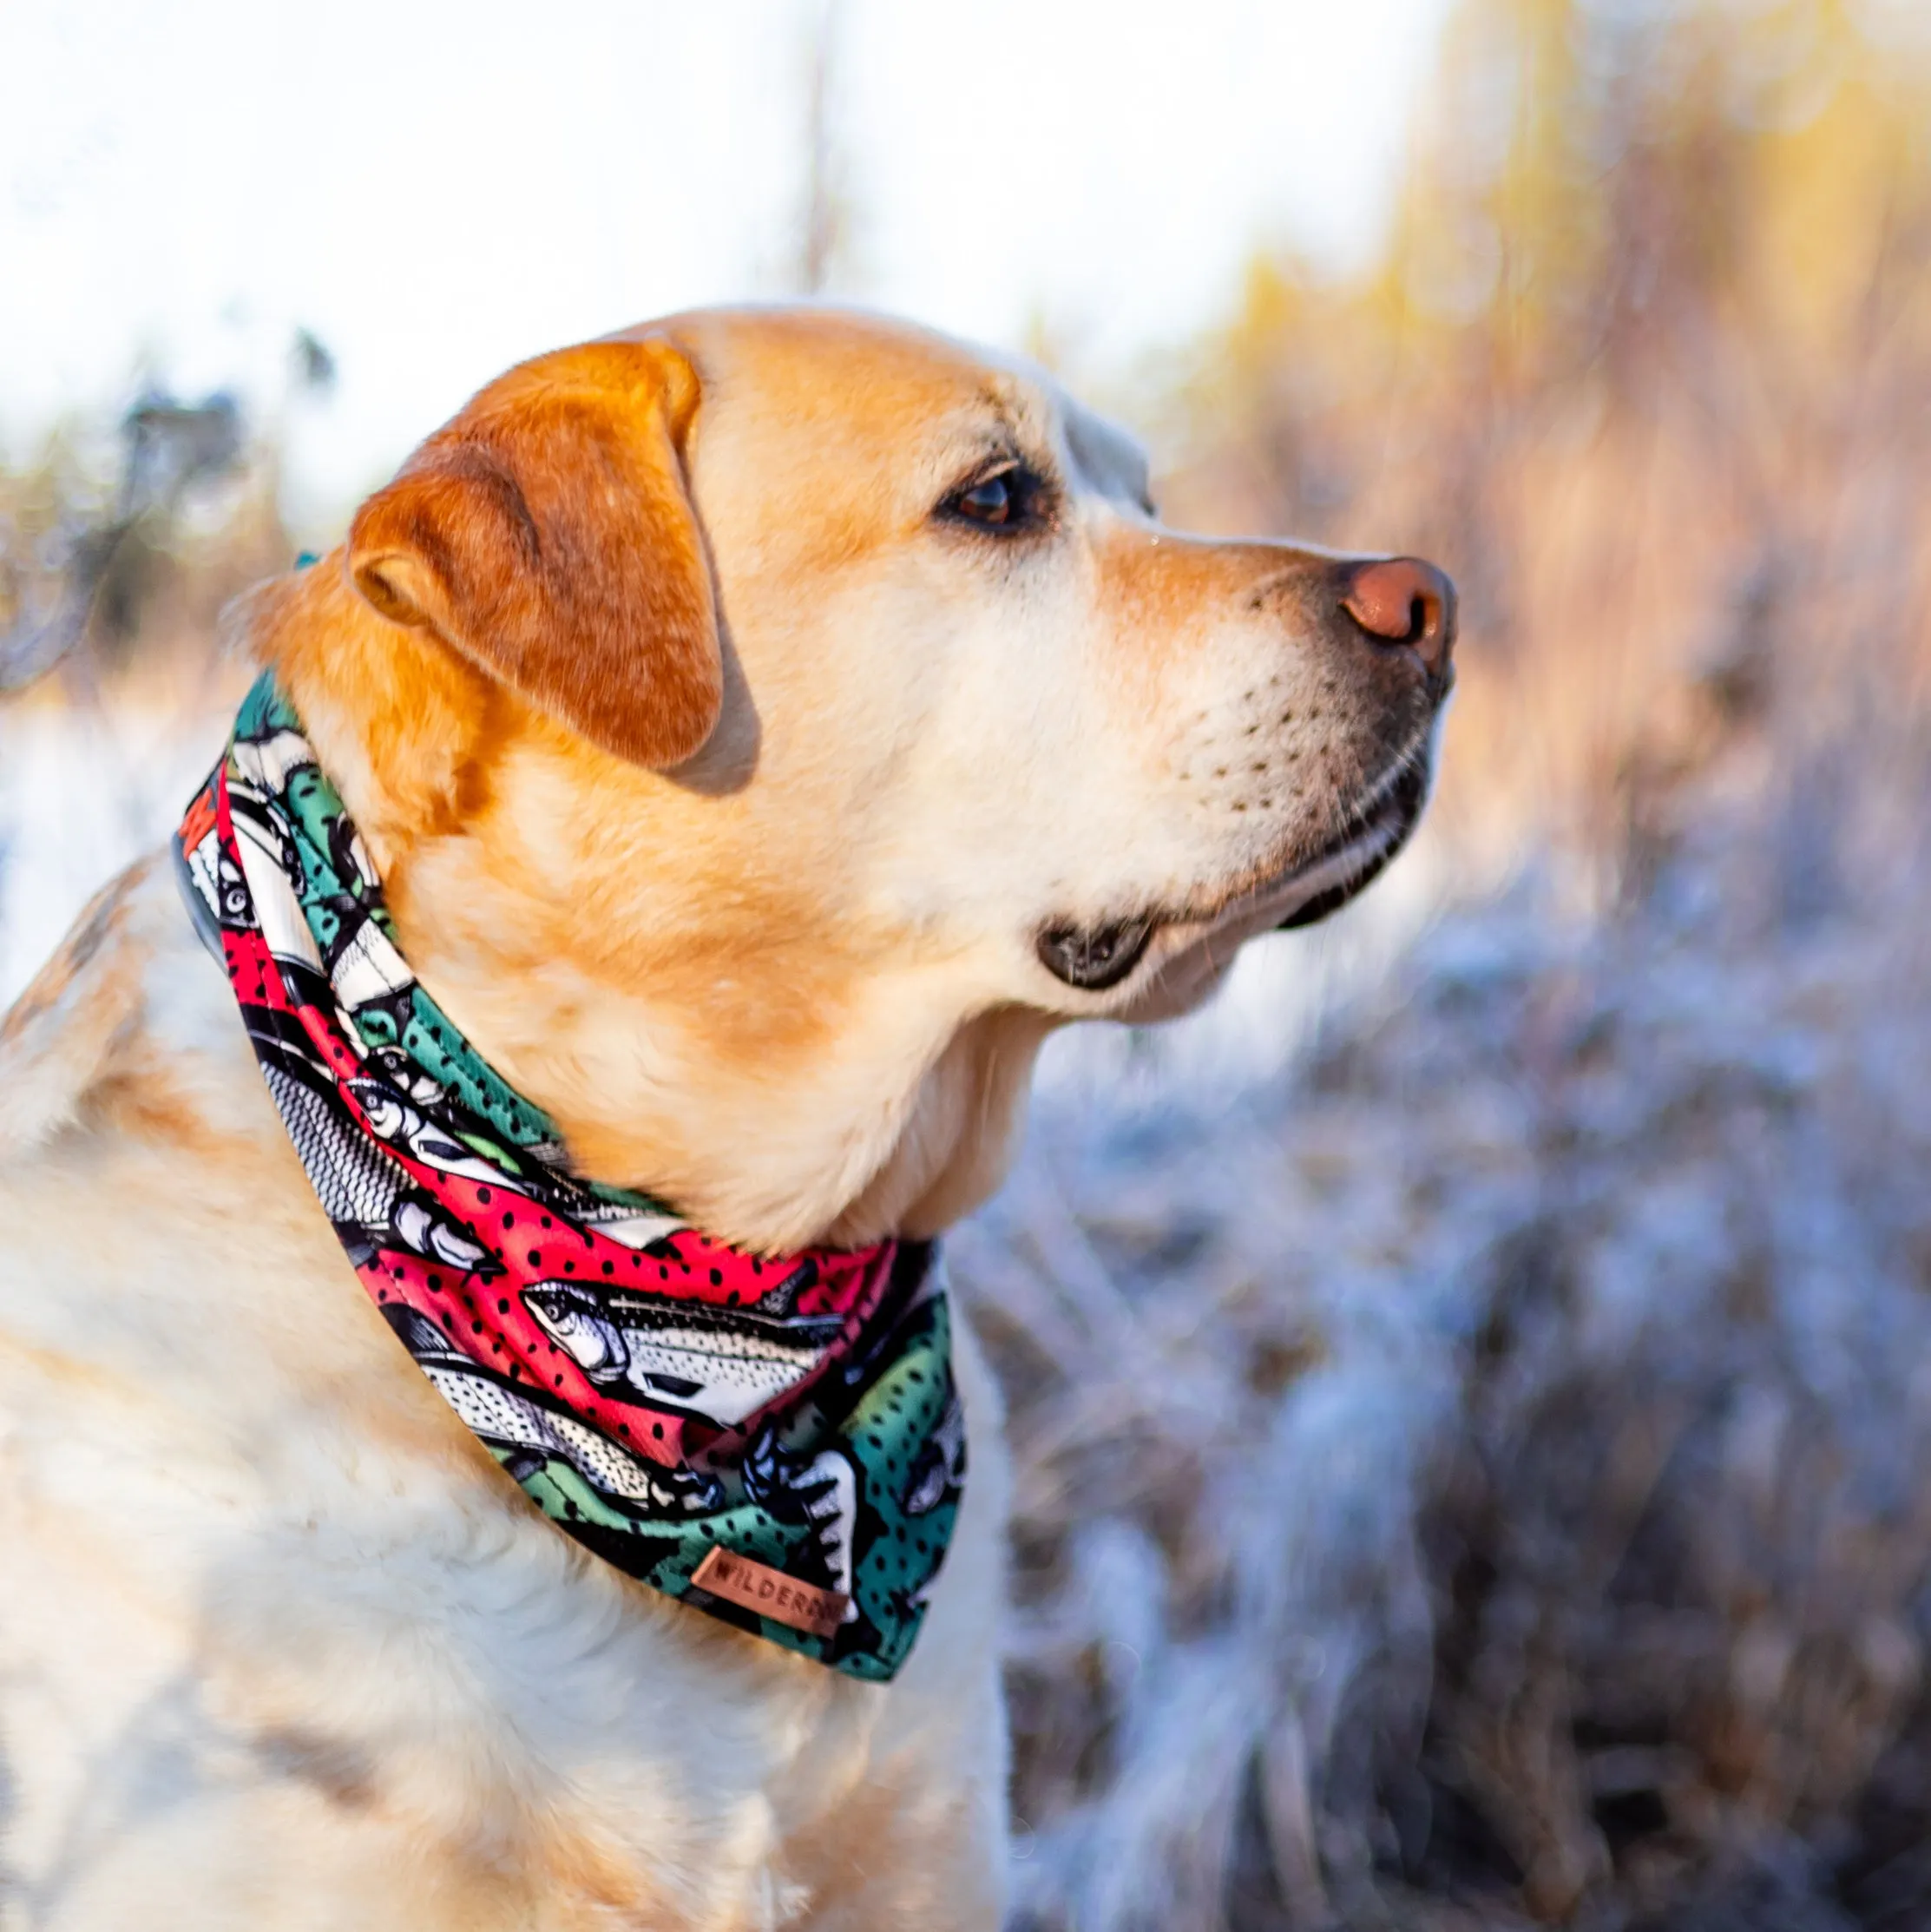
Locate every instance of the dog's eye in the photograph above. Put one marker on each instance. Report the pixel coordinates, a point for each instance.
(991, 501)
(1008, 500)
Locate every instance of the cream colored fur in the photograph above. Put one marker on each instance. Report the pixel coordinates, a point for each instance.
(280, 1644)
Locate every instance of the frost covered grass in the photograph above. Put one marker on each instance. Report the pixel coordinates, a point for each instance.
(1476, 1478)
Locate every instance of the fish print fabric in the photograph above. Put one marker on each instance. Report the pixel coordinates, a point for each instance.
(658, 1394)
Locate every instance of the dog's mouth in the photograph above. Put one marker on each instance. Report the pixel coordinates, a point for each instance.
(1360, 854)
(1094, 958)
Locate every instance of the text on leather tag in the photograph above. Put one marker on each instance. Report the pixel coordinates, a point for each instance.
(770, 1593)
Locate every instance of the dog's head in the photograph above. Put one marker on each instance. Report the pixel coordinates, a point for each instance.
(770, 724)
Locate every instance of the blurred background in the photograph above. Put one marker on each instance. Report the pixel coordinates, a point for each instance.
(1473, 1386)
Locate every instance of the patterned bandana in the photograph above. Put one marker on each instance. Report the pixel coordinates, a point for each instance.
(773, 1439)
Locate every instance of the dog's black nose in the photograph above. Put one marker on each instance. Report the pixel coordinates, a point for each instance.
(1404, 600)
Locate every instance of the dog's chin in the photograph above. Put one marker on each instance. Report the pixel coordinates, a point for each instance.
(1186, 958)
(1302, 892)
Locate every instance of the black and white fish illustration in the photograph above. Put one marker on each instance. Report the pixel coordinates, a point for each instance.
(508, 1419)
(362, 1188)
(392, 1119)
(721, 1365)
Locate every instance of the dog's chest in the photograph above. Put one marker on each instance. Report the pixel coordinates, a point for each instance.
(273, 1575)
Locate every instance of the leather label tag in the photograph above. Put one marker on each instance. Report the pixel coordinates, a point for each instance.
(757, 1586)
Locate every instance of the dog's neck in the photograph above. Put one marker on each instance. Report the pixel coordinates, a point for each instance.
(735, 1059)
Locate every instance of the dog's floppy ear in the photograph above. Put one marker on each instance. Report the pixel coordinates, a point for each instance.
(547, 535)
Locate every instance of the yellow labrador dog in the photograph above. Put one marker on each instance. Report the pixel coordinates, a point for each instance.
(765, 729)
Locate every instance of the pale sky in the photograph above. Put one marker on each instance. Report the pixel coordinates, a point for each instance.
(438, 188)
